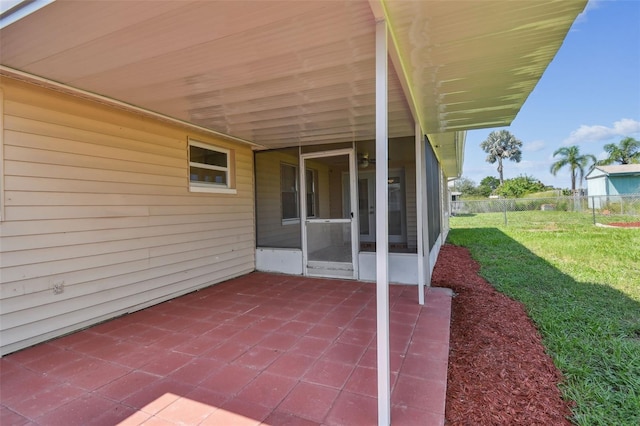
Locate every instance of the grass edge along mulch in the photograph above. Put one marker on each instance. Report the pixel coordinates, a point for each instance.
(498, 372)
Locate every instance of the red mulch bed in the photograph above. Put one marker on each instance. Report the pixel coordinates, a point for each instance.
(498, 373)
(626, 224)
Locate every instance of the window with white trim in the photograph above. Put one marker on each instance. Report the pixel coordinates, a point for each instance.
(289, 187)
(209, 168)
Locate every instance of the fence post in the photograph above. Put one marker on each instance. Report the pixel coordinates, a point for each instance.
(593, 208)
(505, 212)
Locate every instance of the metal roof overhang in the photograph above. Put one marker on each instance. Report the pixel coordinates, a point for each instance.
(289, 73)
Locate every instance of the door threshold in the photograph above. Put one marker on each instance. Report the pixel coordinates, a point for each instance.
(330, 269)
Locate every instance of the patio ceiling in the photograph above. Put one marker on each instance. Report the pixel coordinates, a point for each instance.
(289, 73)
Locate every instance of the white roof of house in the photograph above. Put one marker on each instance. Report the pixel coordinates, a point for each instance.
(619, 169)
(290, 73)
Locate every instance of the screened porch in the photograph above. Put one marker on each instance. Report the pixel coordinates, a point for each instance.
(332, 186)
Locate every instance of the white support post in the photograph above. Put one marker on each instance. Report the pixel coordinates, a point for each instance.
(419, 213)
(302, 203)
(382, 227)
(425, 215)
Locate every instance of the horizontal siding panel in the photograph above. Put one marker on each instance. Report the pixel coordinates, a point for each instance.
(16, 311)
(35, 332)
(28, 271)
(56, 269)
(208, 252)
(222, 217)
(21, 168)
(223, 236)
(65, 159)
(86, 281)
(44, 227)
(197, 218)
(133, 270)
(44, 184)
(71, 115)
(217, 210)
(59, 239)
(244, 189)
(244, 183)
(79, 251)
(87, 146)
(243, 161)
(160, 287)
(35, 286)
(65, 184)
(30, 184)
(67, 212)
(244, 173)
(111, 275)
(40, 198)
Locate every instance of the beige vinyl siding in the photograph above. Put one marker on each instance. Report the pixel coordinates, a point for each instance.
(98, 199)
(1, 160)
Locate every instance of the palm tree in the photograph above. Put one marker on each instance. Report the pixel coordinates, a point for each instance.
(626, 152)
(577, 163)
(499, 145)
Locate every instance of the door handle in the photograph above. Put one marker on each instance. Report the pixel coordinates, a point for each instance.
(351, 215)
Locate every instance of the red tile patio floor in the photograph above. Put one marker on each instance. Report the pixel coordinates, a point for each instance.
(261, 349)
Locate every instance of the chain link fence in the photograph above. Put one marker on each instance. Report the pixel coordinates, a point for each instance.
(597, 209)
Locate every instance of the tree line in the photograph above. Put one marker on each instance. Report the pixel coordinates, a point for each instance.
(627, 151)
(501, 145)
(510, 188)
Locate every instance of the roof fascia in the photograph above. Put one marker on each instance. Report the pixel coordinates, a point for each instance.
(380, 13)
(461, 140)
(20, 10)
(625, 174)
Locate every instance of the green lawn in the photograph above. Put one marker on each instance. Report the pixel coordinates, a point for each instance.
(581, 286)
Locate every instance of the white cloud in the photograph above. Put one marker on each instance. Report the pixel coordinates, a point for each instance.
(626, 126)
(596, 133)
(534, 146)
(591, 5)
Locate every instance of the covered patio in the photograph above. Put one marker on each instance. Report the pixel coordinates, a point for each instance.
(131, 177)
(260, 349)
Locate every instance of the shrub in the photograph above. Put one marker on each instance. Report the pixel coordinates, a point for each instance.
(520, 186)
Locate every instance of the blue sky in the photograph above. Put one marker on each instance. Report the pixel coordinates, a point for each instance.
(589, 96)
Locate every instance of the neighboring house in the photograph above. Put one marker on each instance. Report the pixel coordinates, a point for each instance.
(605, 182)
(151, 150)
